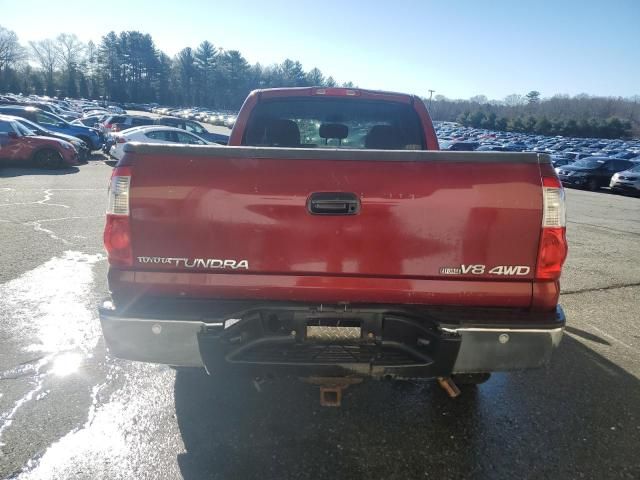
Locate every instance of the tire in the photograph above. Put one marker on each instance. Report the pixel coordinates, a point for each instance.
(593, 185)
(87, 142)
(470, 378)
(49, 159)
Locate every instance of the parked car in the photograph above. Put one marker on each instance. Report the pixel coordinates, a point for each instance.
(515, 147)
(90, 136)
(21, 147)
(576, 155)
(625, 155)
(153, 134)
(65, 113)
(79, 145)
(93, 108)
(490, 148)
(463, 146)
(592, 173)
(118, 123)
(115, 109)
(99, 111)
(627, 181)
(558, 161)
(55, 109)
(94, 121)
(193, 127)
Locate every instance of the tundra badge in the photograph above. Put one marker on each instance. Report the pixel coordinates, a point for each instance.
(197, 262)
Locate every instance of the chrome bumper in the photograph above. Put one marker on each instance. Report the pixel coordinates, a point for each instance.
(175, 342)
(504, 349)
(155, 341)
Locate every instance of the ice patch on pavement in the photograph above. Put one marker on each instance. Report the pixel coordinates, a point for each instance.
(107, 436)
(118, 430)
(6, 418)
(48, 307)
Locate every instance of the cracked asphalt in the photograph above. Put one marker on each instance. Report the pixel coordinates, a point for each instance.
(69, 411)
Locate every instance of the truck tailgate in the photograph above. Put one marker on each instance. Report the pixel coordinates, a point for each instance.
(440, 216)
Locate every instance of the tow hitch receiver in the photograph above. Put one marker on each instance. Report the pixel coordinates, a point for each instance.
(331, 388)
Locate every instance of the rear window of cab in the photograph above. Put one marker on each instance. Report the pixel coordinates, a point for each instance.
(334, 123)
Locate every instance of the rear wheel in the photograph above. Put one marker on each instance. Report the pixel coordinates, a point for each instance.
(48, 159)
(87, 142)
(593, 185)
(470, 378)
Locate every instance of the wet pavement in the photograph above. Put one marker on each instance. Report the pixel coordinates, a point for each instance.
(68, 410)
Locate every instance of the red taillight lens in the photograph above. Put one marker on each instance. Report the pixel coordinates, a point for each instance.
(553, 249)
(552, 253)
(117, 231)
(121, 140)
(117, 241)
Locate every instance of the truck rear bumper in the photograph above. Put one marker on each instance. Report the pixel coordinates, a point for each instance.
(171, 342)
(407, 346)
(504, 349)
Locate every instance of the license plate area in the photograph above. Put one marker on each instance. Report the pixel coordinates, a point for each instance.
(333, 330)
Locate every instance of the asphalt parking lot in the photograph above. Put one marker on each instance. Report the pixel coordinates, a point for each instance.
(68, 410)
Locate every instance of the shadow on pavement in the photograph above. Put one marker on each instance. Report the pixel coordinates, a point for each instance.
(9, 172)
(587, 335)
(575, 419)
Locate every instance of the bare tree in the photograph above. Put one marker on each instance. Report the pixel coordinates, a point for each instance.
(45, 53)
(480, 99)
(69, 49)
(11, 53)
(70, 52)
(514, 100)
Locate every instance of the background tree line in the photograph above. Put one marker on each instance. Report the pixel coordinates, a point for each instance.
(128, 67)
(580, 116)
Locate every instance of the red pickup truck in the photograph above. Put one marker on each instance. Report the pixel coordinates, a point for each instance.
(332, 239)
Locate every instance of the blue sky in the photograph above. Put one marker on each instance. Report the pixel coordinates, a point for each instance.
(458, 48)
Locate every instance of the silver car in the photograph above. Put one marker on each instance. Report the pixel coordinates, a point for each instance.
(627, 181)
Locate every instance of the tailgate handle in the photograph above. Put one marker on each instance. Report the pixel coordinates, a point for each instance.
(333, 203)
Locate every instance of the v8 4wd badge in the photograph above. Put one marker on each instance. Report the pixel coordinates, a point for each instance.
(517, 270)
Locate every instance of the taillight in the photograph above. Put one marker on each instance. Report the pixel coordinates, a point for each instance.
(121, 139)
(117, 231)
(108, 126)
(552, 250)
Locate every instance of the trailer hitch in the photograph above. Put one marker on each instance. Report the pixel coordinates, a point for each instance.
(331, 388)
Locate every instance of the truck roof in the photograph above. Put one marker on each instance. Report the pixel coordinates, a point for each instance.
(334, 92)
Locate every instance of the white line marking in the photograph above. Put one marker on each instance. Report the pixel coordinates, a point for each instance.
(48, 194)
(37, 226)
(611, 337)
